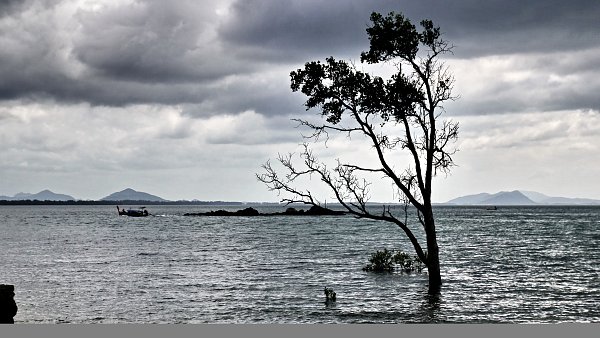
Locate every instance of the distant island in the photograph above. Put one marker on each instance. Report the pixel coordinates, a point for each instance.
(123, 203)
(44, 195)
(519, 197)
(124, 197)
(132, 195)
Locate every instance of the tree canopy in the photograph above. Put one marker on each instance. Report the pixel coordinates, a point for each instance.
(400, 114)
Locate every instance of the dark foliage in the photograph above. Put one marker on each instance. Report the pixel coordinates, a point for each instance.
(388, 261)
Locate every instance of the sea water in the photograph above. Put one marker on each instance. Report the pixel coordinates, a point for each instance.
(86, 264)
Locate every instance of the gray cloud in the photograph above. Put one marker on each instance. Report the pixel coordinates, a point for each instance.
(7, 7)
(145, 52)
(296, 29)
(140, 53)
(548, 34)
(500, 27)
(532, 82)
(152, 42)
(187, 52)
(267, 93)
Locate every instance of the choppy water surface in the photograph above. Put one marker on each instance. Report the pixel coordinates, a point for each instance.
(85, 264)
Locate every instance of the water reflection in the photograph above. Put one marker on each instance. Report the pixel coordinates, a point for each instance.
(430, 307)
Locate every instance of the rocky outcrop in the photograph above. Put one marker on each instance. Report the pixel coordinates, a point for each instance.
(244, 212)
(8, 307)
(313, 211)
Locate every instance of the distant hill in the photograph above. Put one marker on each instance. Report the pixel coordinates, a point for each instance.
(23, 196)
(132, 195)
(44, 195)
(535, 196)
(570, 201)
(519, 197)
(501, 198)
(508, 198)
(470, 199)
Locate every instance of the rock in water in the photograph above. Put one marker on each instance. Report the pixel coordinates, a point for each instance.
(8, 307)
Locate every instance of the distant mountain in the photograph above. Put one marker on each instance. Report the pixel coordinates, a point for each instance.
(519, 197)
(535, 196)
(508, 198)
(470, 199)
(501, 198)
(44, 195)
(570, 201)
(22, 196)
(132, 195)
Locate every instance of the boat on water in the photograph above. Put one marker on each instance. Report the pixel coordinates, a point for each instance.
(140, 212)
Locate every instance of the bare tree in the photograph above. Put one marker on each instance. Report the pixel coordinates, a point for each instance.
(401, 114)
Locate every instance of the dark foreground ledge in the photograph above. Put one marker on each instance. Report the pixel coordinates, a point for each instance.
(313, 211)
(8, 307)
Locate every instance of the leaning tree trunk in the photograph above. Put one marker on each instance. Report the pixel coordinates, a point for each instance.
(433, 256)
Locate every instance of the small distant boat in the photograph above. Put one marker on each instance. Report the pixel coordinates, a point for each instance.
(492, 208)
(140, 212)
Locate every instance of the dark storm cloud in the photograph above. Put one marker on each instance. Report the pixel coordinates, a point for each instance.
(499, 27)
(294, 28)
(146, 52)
(185, 52)
(96, 91)
(153, 41)
(550, 32)
(9, 6)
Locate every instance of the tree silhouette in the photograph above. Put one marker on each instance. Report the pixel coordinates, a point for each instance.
(398, 115)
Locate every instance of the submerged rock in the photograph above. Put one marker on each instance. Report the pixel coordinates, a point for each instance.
(313, 211)
(320, 211)
(244, 212)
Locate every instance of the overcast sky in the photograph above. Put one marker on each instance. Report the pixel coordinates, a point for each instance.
(186, 99)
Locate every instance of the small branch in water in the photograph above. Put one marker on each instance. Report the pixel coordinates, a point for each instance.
(329, 295)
